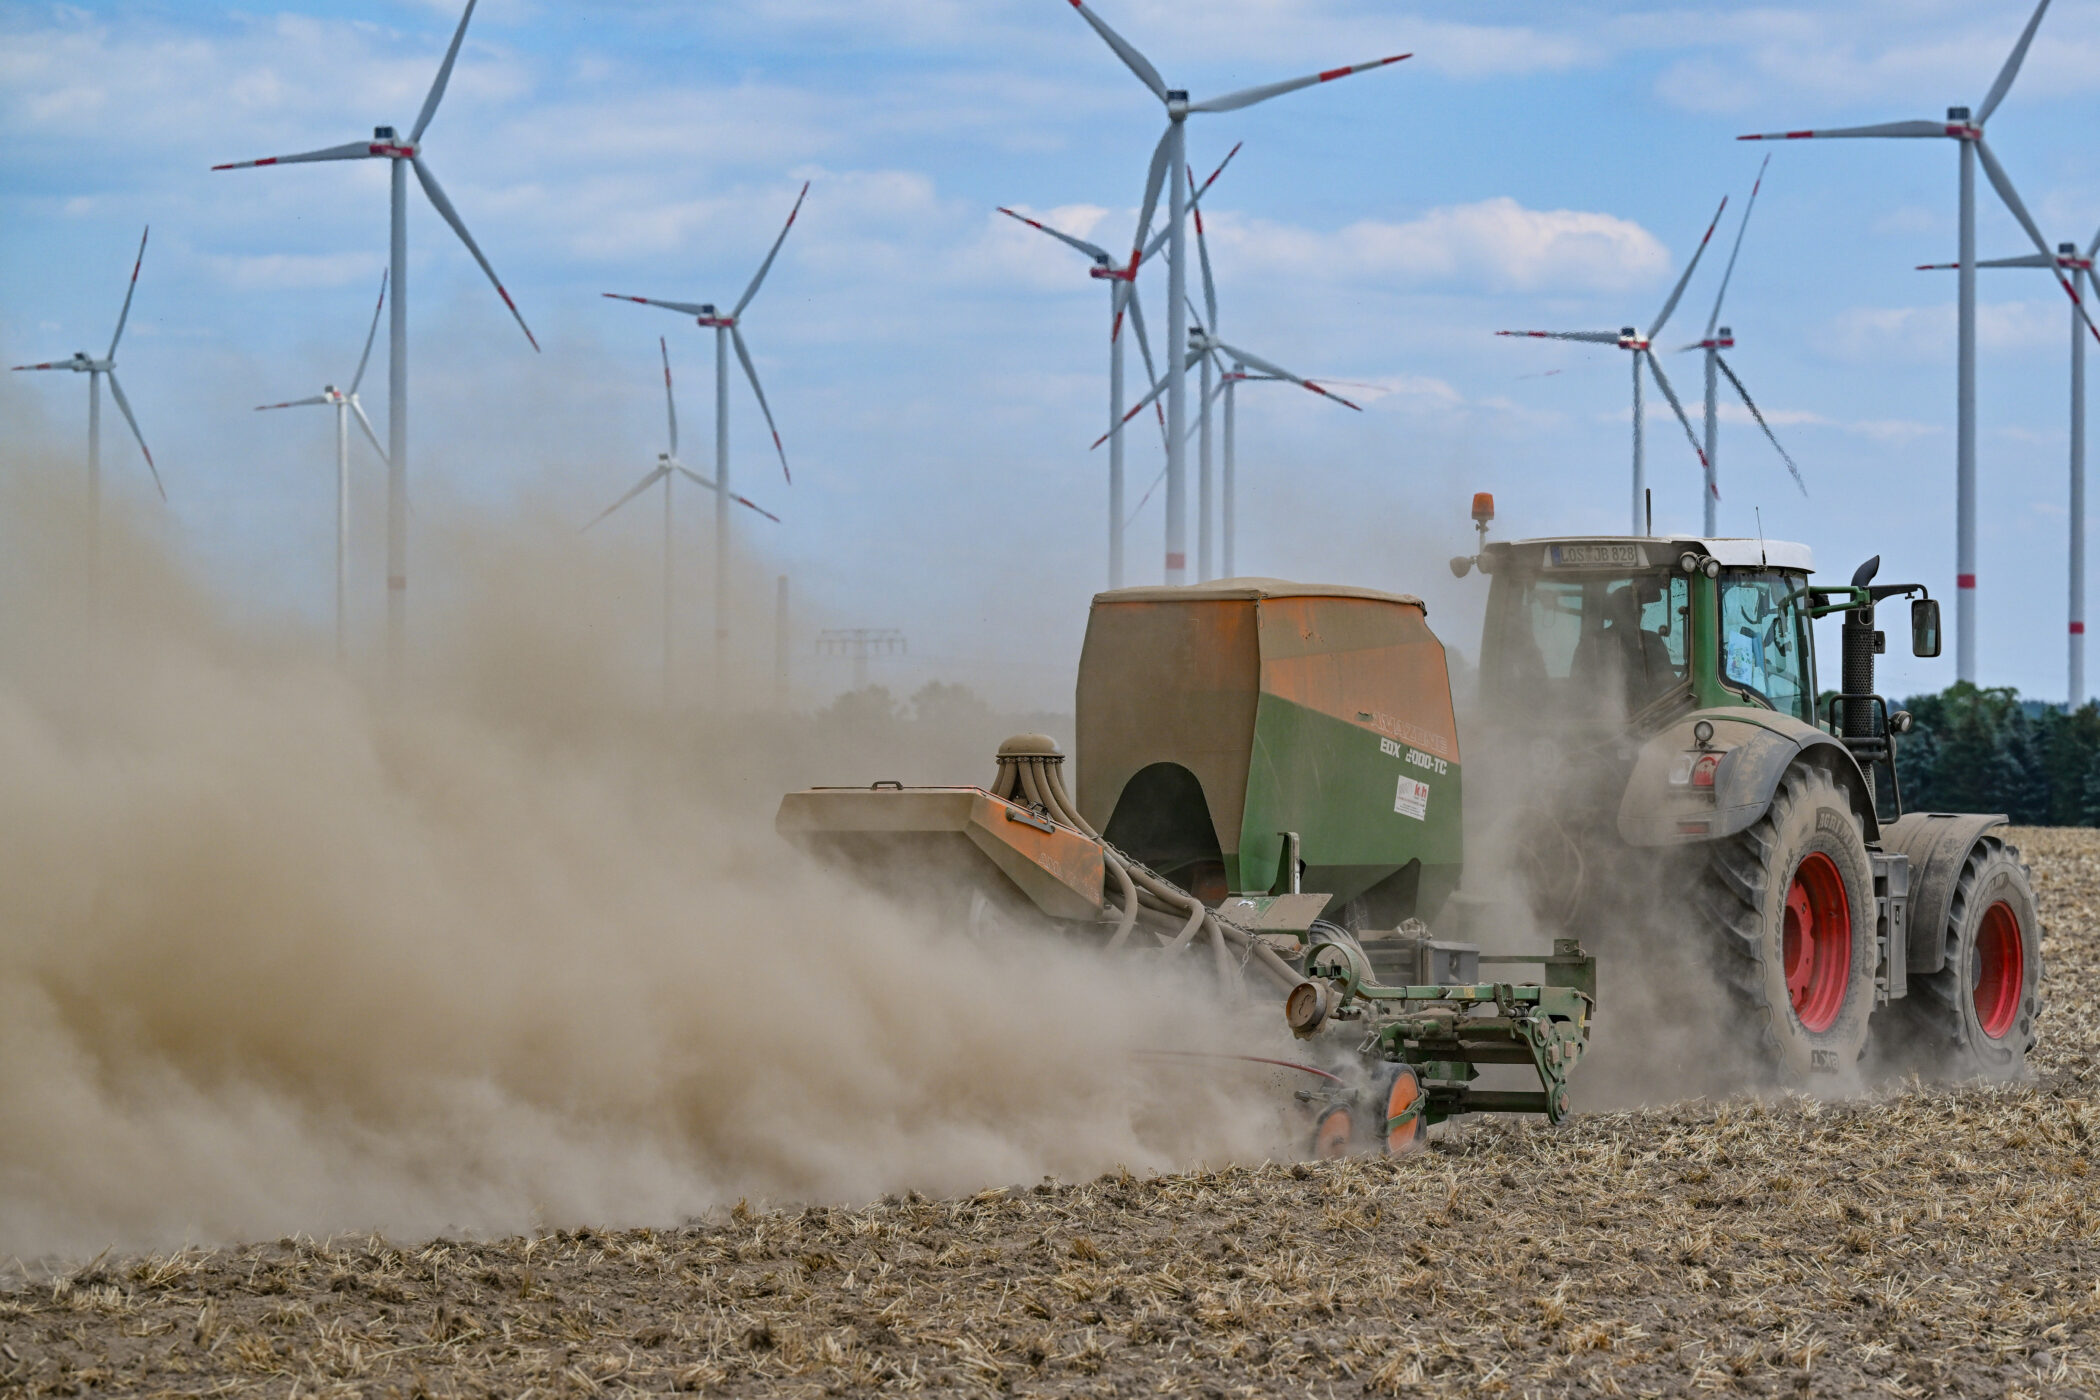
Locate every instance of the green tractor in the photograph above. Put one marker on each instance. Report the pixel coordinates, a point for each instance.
(1657, 698)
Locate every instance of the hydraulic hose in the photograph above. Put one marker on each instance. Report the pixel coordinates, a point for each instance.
(1030, 773)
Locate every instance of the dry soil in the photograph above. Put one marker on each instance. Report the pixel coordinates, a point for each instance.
(1919, 1242)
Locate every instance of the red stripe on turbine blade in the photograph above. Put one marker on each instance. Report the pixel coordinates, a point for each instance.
(2078, 629)
(1177, 561)
(1965, 580)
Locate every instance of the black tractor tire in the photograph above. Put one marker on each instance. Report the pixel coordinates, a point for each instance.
(1792, 904)
(1975, 1017)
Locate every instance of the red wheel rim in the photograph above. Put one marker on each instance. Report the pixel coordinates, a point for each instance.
(1998, 970)
(1331, 1136)
(1817, 945)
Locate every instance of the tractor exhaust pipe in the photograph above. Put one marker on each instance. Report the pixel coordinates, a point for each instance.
(1861, 641)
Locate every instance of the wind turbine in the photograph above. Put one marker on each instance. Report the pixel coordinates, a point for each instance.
(386, 145)
(1643, 349)
(1170, 154)
(1968, 132)
(1122, 289)
(345, 403)
(1229, 378)
(82, 363)
(2067, 259)
(727, 335)
(1203, 345)
(1718, 338)
(667, 466)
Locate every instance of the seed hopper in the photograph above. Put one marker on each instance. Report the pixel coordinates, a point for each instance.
(1268, 786)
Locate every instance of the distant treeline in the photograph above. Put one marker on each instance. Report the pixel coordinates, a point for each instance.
(1987, 750)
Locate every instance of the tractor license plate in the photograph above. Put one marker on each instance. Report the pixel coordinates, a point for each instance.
(1575, 556)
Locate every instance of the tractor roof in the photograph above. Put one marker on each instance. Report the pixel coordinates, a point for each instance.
(1657, 549)
(1246, 588)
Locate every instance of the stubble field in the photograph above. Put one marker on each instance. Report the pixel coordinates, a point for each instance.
(1919, 1242)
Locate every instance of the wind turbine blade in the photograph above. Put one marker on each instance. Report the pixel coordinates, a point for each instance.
(349, 150)
(1125, 50)
(2011, 197)
(655, 475)
(699, 480)
(116, 391)
(1247, 97)
(767, 266)
(1783, 455)
(1880, 129)
(2011, 69)
(1134, 510)
(1662, 382)
(125, 314)
(1270, 367)
(366, 423)
(1155, 177)
(451, 216)
(50, 364)
(1098, 254)
(1678, 290)
(2027, 260)
(444, 76)
(364, 359)
(684, 308)
(1212, 179)
(743, 354)
(670, 403)
(1210, 287)
(1587, 337)
(1137, 323)
(1159, 240)
(1740, 229)
(1158, 388)
(292, 403)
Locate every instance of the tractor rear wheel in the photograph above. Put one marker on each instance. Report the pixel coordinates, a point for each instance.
(1975, 1016)
(1793, 897)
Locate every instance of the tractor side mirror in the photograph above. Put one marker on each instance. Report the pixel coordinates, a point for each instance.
(1925, 627)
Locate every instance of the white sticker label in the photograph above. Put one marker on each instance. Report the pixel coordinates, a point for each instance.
(1412, 799)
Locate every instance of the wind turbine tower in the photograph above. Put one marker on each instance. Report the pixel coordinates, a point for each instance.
(403, 155)
(1172, 154)
(83, 363)
(345, 403)
(727, 335)
(1967, 132)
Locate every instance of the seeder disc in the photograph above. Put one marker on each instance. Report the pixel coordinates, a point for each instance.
(1335, 1132)
(1406, 1130)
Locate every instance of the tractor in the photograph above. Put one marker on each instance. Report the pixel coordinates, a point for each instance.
(1658, 697)
(1270, 791)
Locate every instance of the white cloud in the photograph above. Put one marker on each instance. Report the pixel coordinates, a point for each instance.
(271, 272)
(1496, 244)
(1839, 58)
(1927, 333)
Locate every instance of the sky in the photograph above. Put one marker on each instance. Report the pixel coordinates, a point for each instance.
(938, 371)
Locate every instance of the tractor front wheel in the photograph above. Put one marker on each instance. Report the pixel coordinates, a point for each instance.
(1975, 1016)
(1794, 900)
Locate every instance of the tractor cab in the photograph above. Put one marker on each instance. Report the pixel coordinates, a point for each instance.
(1611, 633)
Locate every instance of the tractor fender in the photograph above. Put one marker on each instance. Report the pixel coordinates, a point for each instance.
(1938, 844)
(1661, 807)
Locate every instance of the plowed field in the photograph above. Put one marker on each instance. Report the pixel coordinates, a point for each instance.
(1918, 1242)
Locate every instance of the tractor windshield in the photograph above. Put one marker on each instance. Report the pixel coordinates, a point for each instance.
(1598, 644)
(1764, 647)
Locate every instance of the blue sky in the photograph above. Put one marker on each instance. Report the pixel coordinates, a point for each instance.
(938, 372)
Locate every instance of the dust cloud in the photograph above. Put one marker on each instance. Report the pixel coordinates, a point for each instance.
(518, 950)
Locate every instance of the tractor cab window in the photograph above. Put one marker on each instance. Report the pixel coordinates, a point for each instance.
(1764, 642)
(1591, 641)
